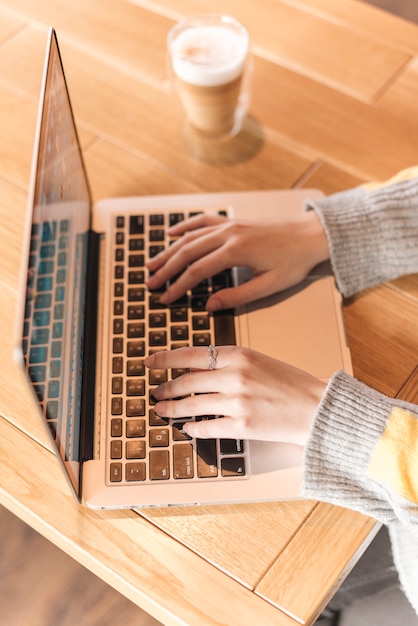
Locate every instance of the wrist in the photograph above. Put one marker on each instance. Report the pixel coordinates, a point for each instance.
(317, 241)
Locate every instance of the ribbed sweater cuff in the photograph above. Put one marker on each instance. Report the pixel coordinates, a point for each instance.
(346, 427)
(372, 235)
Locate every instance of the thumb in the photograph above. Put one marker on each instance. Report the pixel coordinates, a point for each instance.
(233, 297)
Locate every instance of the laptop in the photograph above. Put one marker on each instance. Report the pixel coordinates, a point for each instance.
(86, 321)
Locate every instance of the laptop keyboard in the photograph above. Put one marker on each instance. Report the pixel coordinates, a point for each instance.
(144, 447)
(44, 315)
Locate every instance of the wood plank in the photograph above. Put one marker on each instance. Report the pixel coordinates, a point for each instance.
(242, 540)
(363, 18)
(121, 547)
(28, 565)
(400, 98)
(351, 61)
(9, 26)
(333, 125)
(330, 535)
(383, 335)
(113, 171)
(330, 179)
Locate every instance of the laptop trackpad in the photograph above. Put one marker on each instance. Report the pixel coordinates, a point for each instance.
(298, 326)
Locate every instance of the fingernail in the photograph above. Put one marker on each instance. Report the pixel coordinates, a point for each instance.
(214, 304)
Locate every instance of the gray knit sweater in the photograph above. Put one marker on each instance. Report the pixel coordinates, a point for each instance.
(363, 447)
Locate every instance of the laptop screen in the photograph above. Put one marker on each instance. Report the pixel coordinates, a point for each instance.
(55, 297)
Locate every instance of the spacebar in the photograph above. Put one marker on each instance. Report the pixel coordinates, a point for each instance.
(224, 325)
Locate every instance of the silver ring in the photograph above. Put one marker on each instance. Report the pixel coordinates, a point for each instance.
(213, 355)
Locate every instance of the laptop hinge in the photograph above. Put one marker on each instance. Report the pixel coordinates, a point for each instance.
(89, 354)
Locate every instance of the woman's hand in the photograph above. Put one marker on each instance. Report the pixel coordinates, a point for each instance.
(258, 397)
(279, 253)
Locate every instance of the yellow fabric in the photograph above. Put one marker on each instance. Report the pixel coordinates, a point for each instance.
(394, 462)
(408, 174)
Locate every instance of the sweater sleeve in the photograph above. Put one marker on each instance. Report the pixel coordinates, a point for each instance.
(362, 453)
(372, 231)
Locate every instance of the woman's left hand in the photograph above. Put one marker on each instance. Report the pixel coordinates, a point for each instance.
(257, 396)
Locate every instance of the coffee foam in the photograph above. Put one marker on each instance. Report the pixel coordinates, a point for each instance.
(209, 55)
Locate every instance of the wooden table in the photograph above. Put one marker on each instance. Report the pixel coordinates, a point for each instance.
(335, 91)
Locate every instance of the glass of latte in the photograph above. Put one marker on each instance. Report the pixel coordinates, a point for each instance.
(209, 59)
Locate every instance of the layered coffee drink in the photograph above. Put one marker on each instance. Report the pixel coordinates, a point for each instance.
(209, 61)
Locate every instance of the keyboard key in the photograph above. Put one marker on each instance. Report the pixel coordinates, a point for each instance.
(231, 446)
(119, 272)
(156, 219)
(179, 333)
(154, 301)
(158, 437)
(135, 407)
(136, 277)
(118, 326)
(136, 330)
(118, 307)
(43, 301)
(135, 428)
(157, 338)
(156, 420)
(135, 387)
(136, 312)
(37, 373)
(157, 320)
(175, 218)
(117, 384)
(207, 466)
(135, 367)
(137, 244)
(117, 365)
(116, 406)
(201, 322)
(154, 250)
(201, 339)
(135, 449)
(115, 472)
(118, 290)
(135, 472)
(183, 461)
(136, 348)
(117, 345)
(116, 449)
(136, 294)
(38, 355)
(159, 462)
(40, 336)
(234, 466)
(116, 427)
(136, 225)
(136, 260)
(157, 234)
(156, 377)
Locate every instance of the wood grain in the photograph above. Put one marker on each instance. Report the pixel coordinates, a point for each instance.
(333, 105)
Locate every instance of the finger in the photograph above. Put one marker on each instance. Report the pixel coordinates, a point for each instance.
(181, 253)
(192, 358)
(220, 428)
(197, 221)
(193, 406)
(193, 382)
(210, 264)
